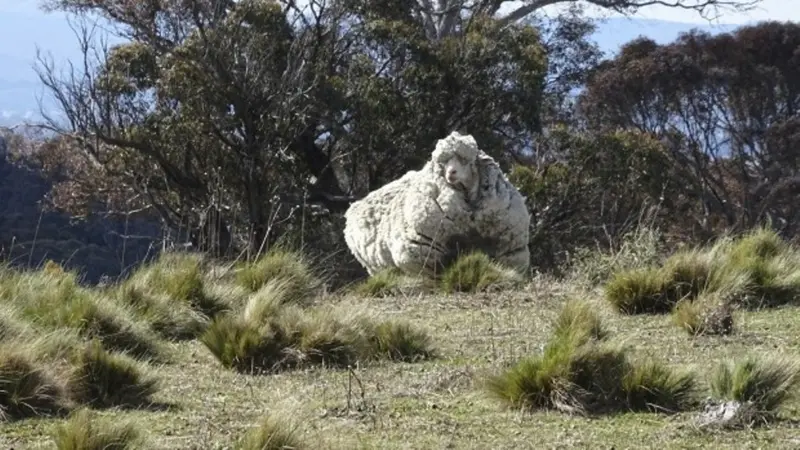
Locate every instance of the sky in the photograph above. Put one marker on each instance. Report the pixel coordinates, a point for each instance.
(24, 27)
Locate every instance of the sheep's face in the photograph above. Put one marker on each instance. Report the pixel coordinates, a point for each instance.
(459, 173)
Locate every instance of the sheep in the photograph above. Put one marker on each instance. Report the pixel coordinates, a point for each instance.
(460, 200)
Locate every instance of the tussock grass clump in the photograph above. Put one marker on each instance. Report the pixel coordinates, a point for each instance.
(382, 284)
(640, 247)
(476, 272)
(400, 341)
(170, 319)
(271, 434)
(53, 301)
(639, 291)
(580, 372)
(652, 386)
(290, 266)
(180, 277)
(756, 270)
(103, 379)
(27, 389)
(86, 431)
(765, 383)
(709, 314)
(273, 337)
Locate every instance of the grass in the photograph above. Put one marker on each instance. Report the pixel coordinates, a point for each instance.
(271, 434)
(282, 337)
(26, 388)
(85, 431)
(755, 270)
(103, 379)
(766, 383)
(580, 372)
(476, 272)
(290, 266)
(420, 373)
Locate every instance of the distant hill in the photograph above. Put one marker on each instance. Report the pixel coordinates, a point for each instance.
(24, 28)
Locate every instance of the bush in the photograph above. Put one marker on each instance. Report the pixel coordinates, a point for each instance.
(765, 382)
(289, 266)
(271, 434)
(102, 379)
(85, 432)
(476, 272)
(26, 388)
(579, 372)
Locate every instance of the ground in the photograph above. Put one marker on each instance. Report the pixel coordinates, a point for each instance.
(440, 403)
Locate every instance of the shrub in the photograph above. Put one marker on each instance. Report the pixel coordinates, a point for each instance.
(476, 272)
(289, 266)
(765, 382)
(83, 431)
(26, 388)
(102, 379)
(270, 434)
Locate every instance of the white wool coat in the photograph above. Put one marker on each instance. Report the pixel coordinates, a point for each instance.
(418, 223)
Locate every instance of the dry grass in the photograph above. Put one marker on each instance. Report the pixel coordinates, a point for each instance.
(401, 398)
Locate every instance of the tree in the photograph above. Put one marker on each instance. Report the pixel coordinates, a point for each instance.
(726, 105)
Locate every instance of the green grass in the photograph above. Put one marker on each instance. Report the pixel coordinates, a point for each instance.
(103, 379)
(476, 272)
(271, 434)
(765, 382)
(290, 266)
(27, 388)
(417, 369)
(385, 283)
(86, 431)
(756, 270)
(579, 371)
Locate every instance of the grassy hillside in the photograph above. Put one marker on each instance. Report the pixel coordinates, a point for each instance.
(188, 354)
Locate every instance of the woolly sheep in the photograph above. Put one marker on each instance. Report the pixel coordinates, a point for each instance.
(459, 201)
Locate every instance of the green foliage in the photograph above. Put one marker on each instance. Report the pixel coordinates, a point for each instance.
(579, 372)
(709, 313)
(86, 431)
(766, 382)
(27, 389)
(289, 266)
(103, 379)
(476, 272)
(271, 434)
